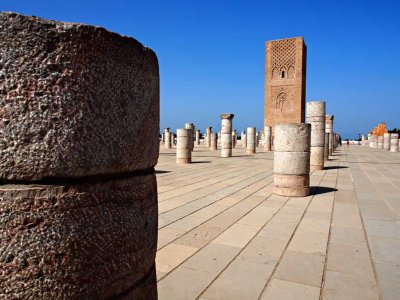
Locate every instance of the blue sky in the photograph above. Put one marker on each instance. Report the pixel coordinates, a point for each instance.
(211, 53)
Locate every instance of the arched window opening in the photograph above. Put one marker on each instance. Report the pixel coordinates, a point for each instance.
(283, 74)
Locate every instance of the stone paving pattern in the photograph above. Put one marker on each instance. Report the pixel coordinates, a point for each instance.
(223, 234)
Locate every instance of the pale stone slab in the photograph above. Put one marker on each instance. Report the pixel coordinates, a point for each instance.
(286, 290)
(305, 268)
(237, 236)
(173, 255)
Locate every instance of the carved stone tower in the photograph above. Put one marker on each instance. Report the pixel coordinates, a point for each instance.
(285, 81)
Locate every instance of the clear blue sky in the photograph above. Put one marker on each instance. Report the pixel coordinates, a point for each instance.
(211, 53)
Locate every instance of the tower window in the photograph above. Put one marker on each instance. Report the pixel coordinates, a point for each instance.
(283, 74)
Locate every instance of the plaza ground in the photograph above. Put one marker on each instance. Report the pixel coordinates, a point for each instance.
(223, 234)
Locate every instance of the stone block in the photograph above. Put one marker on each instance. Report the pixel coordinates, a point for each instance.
(94, 240)
(77, 100)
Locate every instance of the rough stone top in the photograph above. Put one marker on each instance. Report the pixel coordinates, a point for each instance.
(227, 116)
(316, 109)
(167, 128)
(329, 117)
(292, 137)
(76, 101)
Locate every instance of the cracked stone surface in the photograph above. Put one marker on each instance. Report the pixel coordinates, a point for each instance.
(75, 100)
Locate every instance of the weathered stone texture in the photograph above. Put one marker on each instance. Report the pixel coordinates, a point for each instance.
(292, 159)
(226, 135)
(79, 241)
(184, 142)
(61, 86)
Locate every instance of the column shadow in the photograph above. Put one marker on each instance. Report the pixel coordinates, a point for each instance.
(317, 190)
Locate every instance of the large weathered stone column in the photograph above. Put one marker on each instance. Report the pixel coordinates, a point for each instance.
(198, 137)
(191, 127)
(243, 139)
(78, 192)
(363, 141)
(329, 129)
(386, 141)
(316, 117)
(208, 137)
(183, 146)
(380, 141)
(251, 140)
(394, 142)
(326, 146)
(267, 138)
(214, 141)
(368, 140)
(292, 159)
(167, 136)
(226, 135)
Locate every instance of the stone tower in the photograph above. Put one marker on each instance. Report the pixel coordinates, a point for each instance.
(285, 81)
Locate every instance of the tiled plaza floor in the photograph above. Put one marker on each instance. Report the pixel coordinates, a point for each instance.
(224, 235)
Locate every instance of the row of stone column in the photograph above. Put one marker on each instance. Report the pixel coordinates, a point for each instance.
(387, 141)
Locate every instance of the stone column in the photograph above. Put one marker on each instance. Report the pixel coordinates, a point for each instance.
(363, 140)
(386, 141)
(251, 140)
(267, 138)
(368, 140)
(183, 146)
(162, 138)
(316, 117)
(167, 136)
(214, 141)
(208, 138)
(257, 138)
(292, 160)
(235, 140)
(326, 146)
(394, 142)
(198, 137)
(374, 141)
(329, 129)
(243, 139)
(190, 126)
(380, 141)
(219, 137)
(78, 208)
(226, 135)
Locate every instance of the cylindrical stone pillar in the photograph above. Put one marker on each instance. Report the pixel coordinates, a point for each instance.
(316, 117)
(386, 141)
(257, 138)
(326, 146)
(183, 146)
(167, 136)
(190, 126)
(243, 139)
(208, 137)
(292, 160)
(233, 139)
(219, 137)
(267, 138)
(251, 140)
(162, 138)
(214, 141)
(374, 141)
(329, 129)
(78, 194)
(226, 135)
(394, 142)
(380, 141)
(198, 137)
(368, 140)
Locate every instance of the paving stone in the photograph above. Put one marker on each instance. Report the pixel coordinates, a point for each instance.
(286, 290)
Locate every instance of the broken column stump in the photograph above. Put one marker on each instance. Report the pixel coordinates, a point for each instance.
(78, 145)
